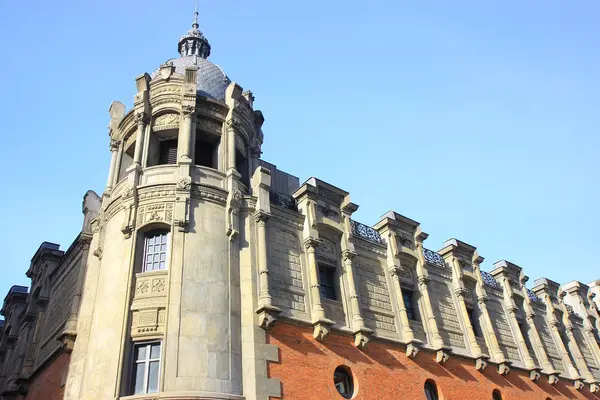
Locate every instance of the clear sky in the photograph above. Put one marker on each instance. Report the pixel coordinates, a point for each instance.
(479, 119)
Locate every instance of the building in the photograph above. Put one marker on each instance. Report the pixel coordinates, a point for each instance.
(204, 272)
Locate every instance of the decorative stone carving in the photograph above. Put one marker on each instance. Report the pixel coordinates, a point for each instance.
(504, 368)
(411, 350)
(166, 121)
(534, 374)
(442, 355)
(188, 111)
(128, 191)
(553, 379)
(480, 364)
(184, 183)
(160, 212)
(361, 338)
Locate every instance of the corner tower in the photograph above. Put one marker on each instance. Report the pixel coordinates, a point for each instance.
(161, 310)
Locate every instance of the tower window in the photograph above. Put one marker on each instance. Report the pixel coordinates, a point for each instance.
(205, 152)
(168, 152)
(146, 367)
(342, 379)
(407, 296)
(327, 281)
(474, 322)
(431, 392)
(241, 164)
(155, 251)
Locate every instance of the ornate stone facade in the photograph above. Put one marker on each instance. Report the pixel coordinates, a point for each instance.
(244, 279)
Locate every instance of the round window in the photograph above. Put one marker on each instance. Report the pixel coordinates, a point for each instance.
(342, 379)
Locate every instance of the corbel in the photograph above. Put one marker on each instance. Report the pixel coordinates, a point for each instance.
(553, 378)
(578, 384)
(128, 223)
(234, 200)
(481, 362)
(443, 355)
(321, 328)
(504, 368)
(182, 217)
(534, 374)
(267, 315)
(362, 337)
(412, 348)
(594, 387)
(67, 341)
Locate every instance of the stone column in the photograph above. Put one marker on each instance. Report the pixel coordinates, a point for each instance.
(361, 334)
(555, 328)
(574, 346)
(114, 147)
(266, 311)
(231, 128)
(141, 120)
(482, 299)
(547, 366)
(118, 164)
(459, 291)
(320, 323)
(185, 134)
(442, 352)
(511, 310)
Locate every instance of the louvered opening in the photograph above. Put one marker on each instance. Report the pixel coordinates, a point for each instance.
(168, 152)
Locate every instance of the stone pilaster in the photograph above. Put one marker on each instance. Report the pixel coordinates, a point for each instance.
(114, 152)
(442, 351)
(361, 333)
(542, 290)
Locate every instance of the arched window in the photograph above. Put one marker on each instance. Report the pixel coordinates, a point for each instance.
(155, 251)
(431, 392)
(342, 379)
(496, 395)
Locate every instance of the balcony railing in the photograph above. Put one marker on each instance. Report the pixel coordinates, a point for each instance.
(532, 296)
(283, 200)
(365, 232)
(489, 280)
(433, 258)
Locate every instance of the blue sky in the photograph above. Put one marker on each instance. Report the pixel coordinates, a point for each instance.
(478, 119)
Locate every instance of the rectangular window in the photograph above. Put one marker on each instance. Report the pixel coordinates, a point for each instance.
(146, 367)
(205, 153)
(326, 282)
(155, 252)
(407, 296)
(474, 322)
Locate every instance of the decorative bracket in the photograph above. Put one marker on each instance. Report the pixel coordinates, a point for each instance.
(504, 368)
(67, 341)
(412, 349)
(553, 378)
(321, 328)
(128, 223)
(182, 214)
(578, 384)
(267, 315)
(481, 363)
(442, 355)
(594, 388)
(362, 337)
(534, 374)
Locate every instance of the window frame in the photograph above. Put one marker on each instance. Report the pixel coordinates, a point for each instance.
(347, 381)
(146, 361)
(330, 274)
(153, 234)
(474, 321)
(431, 390)
(410, 304)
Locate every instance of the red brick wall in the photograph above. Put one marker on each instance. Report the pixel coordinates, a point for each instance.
(47, 384)
(382, 372)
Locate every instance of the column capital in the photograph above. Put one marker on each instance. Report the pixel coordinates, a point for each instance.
(261, 217)
(311, 243)
(348, 255)
(114, 145)
(188, 111)
(141, 118)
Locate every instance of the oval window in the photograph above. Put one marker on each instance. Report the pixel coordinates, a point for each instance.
(496, 395)
(342, 379)
(431, 392)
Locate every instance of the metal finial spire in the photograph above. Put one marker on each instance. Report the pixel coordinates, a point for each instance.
(195, 24)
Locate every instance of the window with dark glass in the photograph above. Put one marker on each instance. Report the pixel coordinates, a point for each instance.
(146, 367)
(155, 251)
(327, 281)
(205, 152)
(168, 152)
(496, 395)
(431, 391)
(342, 379)
(407, 296)
(474, 322)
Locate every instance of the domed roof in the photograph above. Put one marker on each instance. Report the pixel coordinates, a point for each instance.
(194, 49)
(211, 82)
